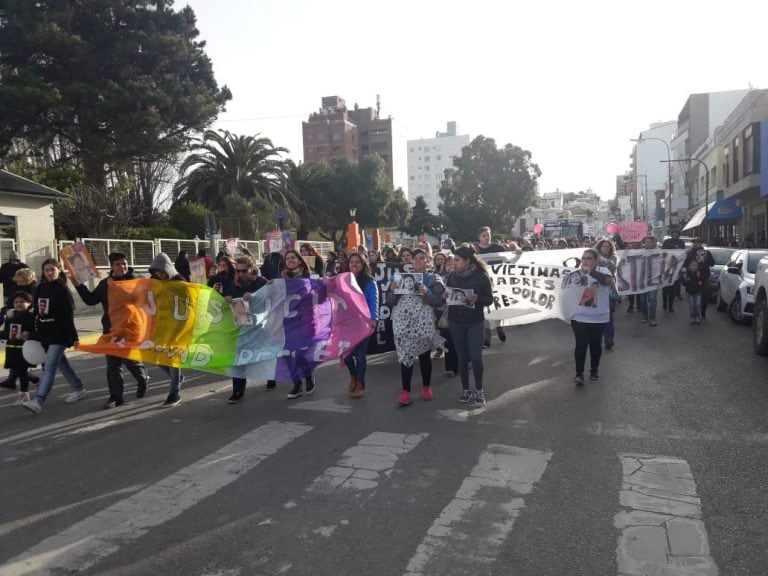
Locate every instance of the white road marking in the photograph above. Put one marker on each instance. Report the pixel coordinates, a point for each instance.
(82, 545)
(325, 405)
(361, 467)
(661, 528)
(471, 529)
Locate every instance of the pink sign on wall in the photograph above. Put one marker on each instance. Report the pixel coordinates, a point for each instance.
(633, 231)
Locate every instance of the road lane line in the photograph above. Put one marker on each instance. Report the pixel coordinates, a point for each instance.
(661, 531)
(362, 466)
(82, 545)
(471, 529)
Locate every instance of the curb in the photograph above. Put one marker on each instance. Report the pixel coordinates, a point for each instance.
(90, 339)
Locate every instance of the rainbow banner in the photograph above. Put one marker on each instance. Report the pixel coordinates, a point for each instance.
(294, 326)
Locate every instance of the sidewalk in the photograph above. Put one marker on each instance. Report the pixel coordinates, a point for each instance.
(88, 328)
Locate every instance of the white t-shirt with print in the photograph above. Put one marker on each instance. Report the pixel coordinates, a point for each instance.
(593, 306)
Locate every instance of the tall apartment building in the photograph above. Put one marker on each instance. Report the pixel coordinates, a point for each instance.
(336, 131)
(428, 158)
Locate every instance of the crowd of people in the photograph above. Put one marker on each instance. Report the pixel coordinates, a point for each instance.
(424, 325)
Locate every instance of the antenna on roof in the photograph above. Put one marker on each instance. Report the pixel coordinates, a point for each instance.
(378, 105)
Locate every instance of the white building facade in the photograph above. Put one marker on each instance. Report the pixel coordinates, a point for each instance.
(428, 159)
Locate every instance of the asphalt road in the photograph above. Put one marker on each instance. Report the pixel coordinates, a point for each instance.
(658, 468)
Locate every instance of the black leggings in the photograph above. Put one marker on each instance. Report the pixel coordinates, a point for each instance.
(587, 335)
(425, 365)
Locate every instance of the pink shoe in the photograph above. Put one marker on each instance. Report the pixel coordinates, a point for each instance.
(404, 399)
(426, 393)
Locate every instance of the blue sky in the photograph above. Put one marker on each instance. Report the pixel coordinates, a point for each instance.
(569, 81)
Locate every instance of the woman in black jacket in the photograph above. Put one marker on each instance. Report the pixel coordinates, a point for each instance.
(55, 327)
(182, 265)
(465, 322)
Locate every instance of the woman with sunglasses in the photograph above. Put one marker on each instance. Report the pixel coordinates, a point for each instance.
(592, 313)
(247, 281)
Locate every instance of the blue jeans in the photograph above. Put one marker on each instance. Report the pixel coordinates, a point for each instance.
(175, 376)
(468, 339)
(648, 304)
(357, 361)
(55, 358)
(694, 305)
(608, 331)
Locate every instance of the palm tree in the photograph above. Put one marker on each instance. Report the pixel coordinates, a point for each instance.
(305, 182)
(224, 164)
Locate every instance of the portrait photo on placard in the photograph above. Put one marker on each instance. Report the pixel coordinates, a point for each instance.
(42, 306)
(408, 283)
(242, 312)
(458, 297)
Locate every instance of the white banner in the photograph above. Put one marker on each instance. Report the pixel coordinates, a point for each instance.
(534, 286)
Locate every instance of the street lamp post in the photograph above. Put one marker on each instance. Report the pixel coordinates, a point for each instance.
(668, 207)
(706, 187)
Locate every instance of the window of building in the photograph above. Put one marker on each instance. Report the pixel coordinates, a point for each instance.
(310, 136)
(439, 157)
(749, 151)
(321, 135)
(413, 178)
(426, 158)
(336, 150)
(727, 166)
(310, 150)
(411, 149)
(336, 136)
(736, 151)
(426, 168)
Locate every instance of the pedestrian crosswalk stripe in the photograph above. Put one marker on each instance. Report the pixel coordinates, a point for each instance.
(84, 544)
(472, 527)
(661, 527)
(361, 466)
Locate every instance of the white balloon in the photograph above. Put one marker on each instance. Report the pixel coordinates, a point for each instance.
(33, 352)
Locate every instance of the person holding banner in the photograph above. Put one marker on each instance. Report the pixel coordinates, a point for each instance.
(56, 331)
(467, 324)
(592, 313)
(609, 260)
(296, 267)
(414, 328)
(246, 282)
(648, 300)
(356, 362)
(119, 272)
(163, 269)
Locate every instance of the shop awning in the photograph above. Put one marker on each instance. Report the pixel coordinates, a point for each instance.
(719, 211)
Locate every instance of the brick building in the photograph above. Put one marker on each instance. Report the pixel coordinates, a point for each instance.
(335, 131)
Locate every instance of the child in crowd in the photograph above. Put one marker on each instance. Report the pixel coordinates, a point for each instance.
(19, 321)
(693, 282)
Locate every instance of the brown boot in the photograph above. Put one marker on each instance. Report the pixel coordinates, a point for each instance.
(352, 385)
(360, 390)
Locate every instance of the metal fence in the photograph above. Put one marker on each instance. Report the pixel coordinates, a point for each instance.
(140, 253)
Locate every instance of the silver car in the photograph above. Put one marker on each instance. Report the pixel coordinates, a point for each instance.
(736, 288)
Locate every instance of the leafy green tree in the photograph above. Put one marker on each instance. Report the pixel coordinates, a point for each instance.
(422, 221)
(306, 182)
(364, 185)
(188, 218)
(488, 186)
(111, 81)
(225, 164)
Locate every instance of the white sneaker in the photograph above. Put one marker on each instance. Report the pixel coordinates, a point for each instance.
(76, 396)
(21, 398)
(33, 406)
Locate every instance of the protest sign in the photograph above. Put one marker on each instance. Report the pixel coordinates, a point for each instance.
(78, 262)
(632, 231)
(197, 273)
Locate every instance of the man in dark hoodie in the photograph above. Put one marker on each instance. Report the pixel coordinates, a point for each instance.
(119, 272)
(162, 269)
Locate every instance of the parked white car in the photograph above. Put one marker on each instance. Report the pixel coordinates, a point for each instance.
(736, 287)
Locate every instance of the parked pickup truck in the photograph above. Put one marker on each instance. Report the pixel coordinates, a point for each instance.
(760, 315)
